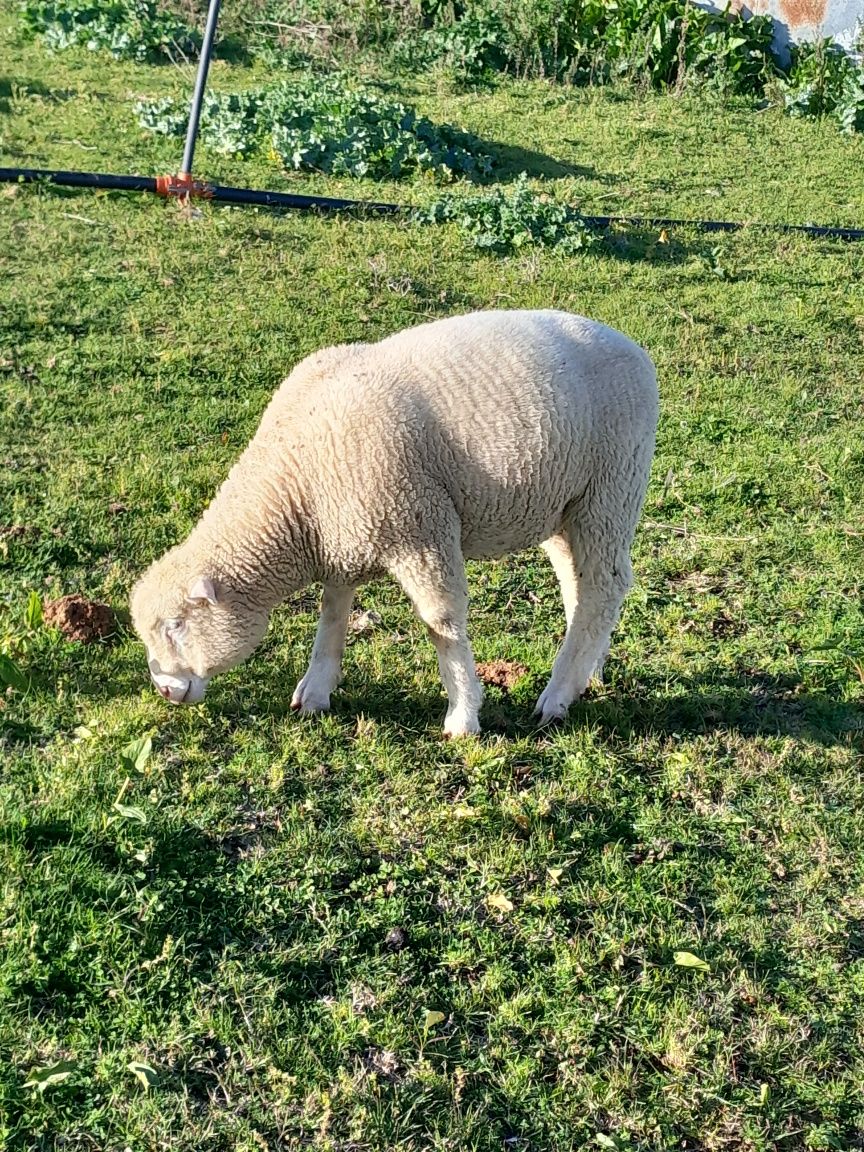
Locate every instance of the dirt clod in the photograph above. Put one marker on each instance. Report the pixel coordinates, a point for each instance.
(80, 619)
(501, 673)
(382, 1061)
(396, 939)
(362, 622)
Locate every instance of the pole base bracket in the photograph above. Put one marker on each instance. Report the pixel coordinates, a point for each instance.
(183, 186)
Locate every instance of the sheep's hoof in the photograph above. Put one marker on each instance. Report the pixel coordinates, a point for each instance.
(551, 708)
(461, 726)
(311, 708)
(308, 702)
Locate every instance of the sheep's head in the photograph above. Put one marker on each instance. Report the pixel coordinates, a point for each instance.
(192, 629)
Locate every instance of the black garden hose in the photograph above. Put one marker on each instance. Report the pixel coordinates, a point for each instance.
(183, 186)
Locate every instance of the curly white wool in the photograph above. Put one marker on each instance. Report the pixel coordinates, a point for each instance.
(470, 437)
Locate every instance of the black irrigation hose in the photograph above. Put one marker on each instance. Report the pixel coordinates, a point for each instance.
(164, 186)
(834, 231)
(79, 179)
(197, 189)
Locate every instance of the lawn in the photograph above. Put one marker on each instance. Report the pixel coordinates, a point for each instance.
(347, 933)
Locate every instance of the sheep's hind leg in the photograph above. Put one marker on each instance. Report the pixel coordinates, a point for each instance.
(322, 677)
(595, 576)
(437, 588)
(560, 554)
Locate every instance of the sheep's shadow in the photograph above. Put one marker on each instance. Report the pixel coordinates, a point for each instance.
(627, 706)
(749, 705)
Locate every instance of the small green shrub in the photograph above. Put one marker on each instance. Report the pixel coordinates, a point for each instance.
(229, 121)
(826, 81)
(469, 50)
(324, 125)
(663, 42)
(510, 221)
(850, 110)
(128, 29)
(290, 33)
(666, 42)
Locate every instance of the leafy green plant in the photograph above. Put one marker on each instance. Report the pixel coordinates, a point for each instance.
(817, 78)
(229, 120)
(668, 42)
(662, 42)
(325, 125)
(128, 29)
(509, 221)
(826, 81)
(850, 110)
(469, 50)
(734, 53)
(18, 641)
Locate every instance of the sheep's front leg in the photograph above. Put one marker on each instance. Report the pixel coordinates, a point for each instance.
(436, 586)
(312, 694)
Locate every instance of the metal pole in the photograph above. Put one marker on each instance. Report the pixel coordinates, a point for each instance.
(200, 85)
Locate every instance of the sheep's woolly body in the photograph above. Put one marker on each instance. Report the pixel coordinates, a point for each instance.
(469, 437)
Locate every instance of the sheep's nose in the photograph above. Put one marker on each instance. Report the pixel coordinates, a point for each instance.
(164, 691)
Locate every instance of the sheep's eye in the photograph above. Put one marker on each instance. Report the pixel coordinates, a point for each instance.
(174, 629)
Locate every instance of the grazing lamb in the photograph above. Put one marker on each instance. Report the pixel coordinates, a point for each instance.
(471, 437)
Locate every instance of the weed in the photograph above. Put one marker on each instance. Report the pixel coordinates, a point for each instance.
(325, 125)
(826, 81)
(128, 29)
(469, 50)
(507, 221)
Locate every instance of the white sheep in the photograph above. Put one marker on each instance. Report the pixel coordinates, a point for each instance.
(470, 437)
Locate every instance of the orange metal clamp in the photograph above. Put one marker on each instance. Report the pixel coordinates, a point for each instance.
(182, 184)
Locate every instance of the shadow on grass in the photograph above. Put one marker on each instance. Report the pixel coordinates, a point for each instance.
(203, 901)
(10, 85)
(640, 244)
(749, 705)
(510, 161)
(753, 705)
(233, 50)
(187, 868)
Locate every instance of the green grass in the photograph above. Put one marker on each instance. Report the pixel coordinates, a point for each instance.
(241, 941)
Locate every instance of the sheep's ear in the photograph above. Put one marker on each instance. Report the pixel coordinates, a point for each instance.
(201, 589)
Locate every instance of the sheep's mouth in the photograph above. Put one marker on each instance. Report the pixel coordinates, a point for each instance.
(169, 691)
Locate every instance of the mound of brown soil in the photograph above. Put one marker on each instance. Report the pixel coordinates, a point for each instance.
(80, 619)
(501, 673)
